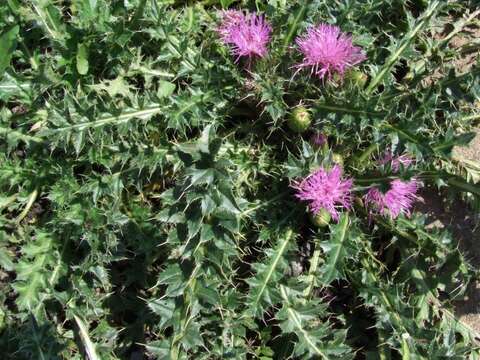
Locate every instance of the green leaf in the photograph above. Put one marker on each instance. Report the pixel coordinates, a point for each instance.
(264, 286)
(50, 17)
(105, 119)
(37, 271)
(88, 344)
(160, 349)
(192, 336)
(459, 140)
(14, 5)
(335, 250)
(92, 4)
(8, 44)
(226, 3)
(117, 86)
(11, 87)
(165, 89)
(201, 176)
(163, 308)
(174, 277)
(293, 26)
(6, 259)
(303, 320)
(82, 59)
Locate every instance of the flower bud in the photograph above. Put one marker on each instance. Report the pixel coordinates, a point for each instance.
(337, 159)
(321, 219)
(299, 120)
(318, 140)
(357, 78)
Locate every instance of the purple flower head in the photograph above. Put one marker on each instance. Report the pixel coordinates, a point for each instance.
(327, 51)
(396, 163)
(230, 19)
(318, 139)
(397, 200)
(247, 34)
(325, 190)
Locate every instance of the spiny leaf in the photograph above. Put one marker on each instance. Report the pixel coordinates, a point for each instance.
(82, 59)
(8, 43)
(316, 338)
(49, 16)
(86, 340)
(125, 116)
(336, 249)
(34, 276)
(264, 286)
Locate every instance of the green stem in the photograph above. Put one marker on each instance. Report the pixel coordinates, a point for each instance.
(457, 27)
(405, 347)
(313, 269)
(186, 317)
(349, 110)
(463, 185)
(369, 181)
(31, 200)
(53, 278)
(385, 298)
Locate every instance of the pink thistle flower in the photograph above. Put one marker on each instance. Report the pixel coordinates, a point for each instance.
(396, 163)
(230, 19)
(325, 190)
(318, 139)
(247, 34)
(397, 200)
(327, 50)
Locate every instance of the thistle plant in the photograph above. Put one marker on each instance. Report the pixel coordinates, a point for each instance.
(156, 203)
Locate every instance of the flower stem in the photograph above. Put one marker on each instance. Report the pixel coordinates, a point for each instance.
(31, 200)
(313, 269)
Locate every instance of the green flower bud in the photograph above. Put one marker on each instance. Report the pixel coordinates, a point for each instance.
(321, 219)
(337, 159)
(357, 78)
(299, 119)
